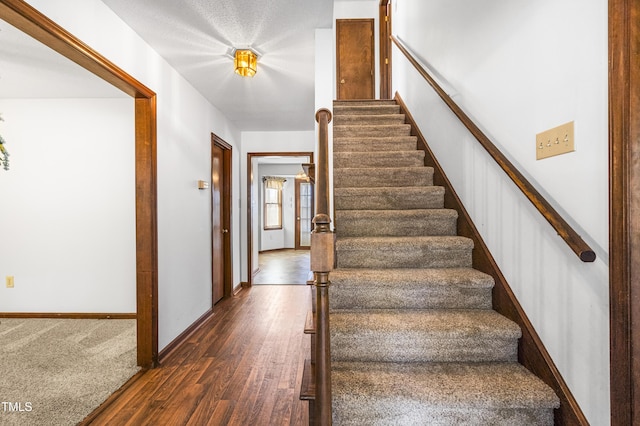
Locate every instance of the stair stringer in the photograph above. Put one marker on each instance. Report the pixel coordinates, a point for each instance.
(532, 353)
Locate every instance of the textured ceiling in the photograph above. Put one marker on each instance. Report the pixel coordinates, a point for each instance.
(194, 36)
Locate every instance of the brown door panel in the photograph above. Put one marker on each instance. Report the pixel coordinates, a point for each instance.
(355, 59)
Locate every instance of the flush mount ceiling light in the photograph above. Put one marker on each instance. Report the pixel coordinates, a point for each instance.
(245, 62)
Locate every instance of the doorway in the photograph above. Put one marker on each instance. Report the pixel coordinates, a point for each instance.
(355, 67)
(254, 189)
(221, 279)
(31, 22)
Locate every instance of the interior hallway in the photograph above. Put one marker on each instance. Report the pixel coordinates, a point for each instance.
(242, 367)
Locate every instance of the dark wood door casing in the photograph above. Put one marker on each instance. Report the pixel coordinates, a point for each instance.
(221, 266)
(624, 210)
(355, 59)
(385, 49)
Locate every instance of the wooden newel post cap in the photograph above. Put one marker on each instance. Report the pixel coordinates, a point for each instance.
(323, 110)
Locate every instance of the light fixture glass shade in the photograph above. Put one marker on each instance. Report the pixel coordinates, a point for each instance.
(245, 63)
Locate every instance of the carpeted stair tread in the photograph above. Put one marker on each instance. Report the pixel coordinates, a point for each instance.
(383, 144)
(414, 338)
(411, 158)
(353, 223)
(439, 394)
(367, 119)
(404, 252)
(382, 176)
(372, 130)
(404, 335)
(453, 288)
(387, 198)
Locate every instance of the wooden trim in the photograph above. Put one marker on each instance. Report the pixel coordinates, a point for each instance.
(564, 230)
(624, 210)
(250, 157)
(68, 315)
(227, 207)
(29, 20)
(531, 352)
(184, 336)
(146, 232)
(385, 49)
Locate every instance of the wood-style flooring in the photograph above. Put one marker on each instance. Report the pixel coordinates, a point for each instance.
(242, 367)
(286, 266)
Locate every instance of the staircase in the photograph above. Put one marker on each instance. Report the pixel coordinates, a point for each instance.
(414, 339)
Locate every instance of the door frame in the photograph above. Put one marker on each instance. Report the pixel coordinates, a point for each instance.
(226, 202)
(33, 23)
(250, 195)
(385, 49)
(297, 182)
(373, 54)
(624, 210)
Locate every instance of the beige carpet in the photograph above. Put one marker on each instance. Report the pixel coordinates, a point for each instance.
(57, 371)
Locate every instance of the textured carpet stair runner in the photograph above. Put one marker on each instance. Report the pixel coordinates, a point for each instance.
(414, 340)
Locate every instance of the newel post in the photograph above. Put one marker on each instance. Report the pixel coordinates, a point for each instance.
(322, 261)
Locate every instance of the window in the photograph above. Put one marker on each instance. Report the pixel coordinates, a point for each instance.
(273, 202)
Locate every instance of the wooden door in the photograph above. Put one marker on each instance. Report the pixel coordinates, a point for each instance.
(304, 214)
(220, 219)
(355, 59)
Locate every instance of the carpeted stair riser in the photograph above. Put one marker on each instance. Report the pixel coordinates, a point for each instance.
(412, 158)
(389, 198)
(460, 288)
(369, 120)
(391, 176)
(404, 252)
(413, 337)
(372, 130)
(395, 223)
(365, 110)
(361, 103)
(423, 336)
(383, 144)
(481, 394)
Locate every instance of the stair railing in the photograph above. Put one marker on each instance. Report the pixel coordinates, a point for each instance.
(322, 261)
(566, 232)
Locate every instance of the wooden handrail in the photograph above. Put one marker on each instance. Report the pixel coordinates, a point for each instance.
(322, 255)
(568, 234)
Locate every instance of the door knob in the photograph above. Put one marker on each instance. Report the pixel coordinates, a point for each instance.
(342, 81)
(224, 231)
(298, 218)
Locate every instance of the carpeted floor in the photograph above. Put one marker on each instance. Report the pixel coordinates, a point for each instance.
(57, 371)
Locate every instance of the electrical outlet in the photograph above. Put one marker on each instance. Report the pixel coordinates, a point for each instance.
(10, 283)
(556, 141)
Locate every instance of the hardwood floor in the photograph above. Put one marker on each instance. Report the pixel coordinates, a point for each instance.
(242, 367)
(286, 266)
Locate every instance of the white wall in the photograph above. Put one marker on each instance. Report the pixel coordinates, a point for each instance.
(185, 123)
(67, 222)
(519, 68)
(264, 142)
